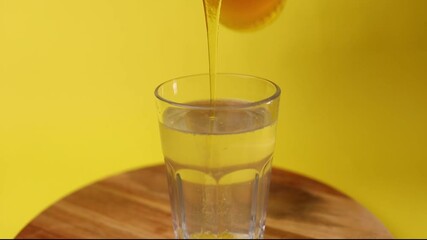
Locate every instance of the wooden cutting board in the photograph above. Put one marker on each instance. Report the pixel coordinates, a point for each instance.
(136, 205)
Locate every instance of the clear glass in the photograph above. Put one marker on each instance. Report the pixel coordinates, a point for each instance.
(218, 153)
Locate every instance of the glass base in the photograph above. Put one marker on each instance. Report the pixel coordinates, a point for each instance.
(224, 235)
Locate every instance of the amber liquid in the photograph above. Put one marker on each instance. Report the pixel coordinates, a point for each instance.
(212, 16)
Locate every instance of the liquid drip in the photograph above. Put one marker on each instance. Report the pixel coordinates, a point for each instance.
(212, 16)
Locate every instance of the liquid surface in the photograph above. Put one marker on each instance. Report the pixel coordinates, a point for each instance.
(231, 137)
(218, 169)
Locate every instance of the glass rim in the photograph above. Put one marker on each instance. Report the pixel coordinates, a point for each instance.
(270, 98)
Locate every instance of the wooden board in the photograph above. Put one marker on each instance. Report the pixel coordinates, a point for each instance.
(136, 205)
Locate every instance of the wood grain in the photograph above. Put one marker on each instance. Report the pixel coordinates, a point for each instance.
(136, 205)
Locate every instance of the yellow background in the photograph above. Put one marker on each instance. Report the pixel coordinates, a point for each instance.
(77, 105)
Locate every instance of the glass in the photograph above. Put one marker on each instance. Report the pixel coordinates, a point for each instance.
(218, 154)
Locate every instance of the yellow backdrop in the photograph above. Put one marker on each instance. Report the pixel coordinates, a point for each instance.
(77, 105)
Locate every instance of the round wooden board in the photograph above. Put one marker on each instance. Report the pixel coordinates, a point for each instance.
(136, 205)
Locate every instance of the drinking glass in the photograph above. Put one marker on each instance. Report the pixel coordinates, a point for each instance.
(218, 153)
